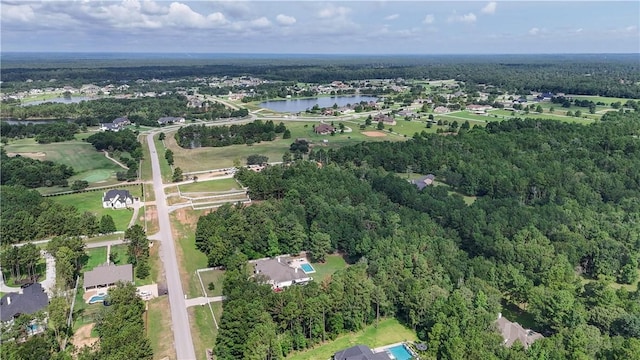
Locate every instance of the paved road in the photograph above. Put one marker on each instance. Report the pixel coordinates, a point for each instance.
(179, 316)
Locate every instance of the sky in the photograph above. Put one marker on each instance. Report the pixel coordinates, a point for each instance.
(383, 27)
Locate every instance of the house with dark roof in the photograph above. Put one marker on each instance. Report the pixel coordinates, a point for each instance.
(170, 120)
(512, 332)
(424, 181)
(323, 129)
(108, 275)
(360, 352)
(32, 300)
(121, 122)
(385, 119)
(117, 199)
(279, 273)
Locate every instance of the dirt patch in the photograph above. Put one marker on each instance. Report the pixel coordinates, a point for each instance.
(38, 155)
(374, 134)
(151, 214)
(82, 337)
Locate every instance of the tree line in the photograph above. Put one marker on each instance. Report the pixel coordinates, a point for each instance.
(194, 136)
(43, 133)
(32, 173)
(443, 267)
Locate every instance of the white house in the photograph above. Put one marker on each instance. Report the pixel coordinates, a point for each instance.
(280, 274)
(117, 199)
(170, 120)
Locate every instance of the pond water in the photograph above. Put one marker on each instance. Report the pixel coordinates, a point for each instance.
(62, 100)
(297, 105)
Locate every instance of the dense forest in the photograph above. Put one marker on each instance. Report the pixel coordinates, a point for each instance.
(32, 173)
(195, 136)
(43, 133)
(605, 75)
(554, 226)
(26, 216)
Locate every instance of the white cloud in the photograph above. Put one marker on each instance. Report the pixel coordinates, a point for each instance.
(182, 15)
(534, 31)
(21, 13)
(392, 17)
(152, 8)
(490, 8)
(467, 18)
(429, 19)
(333, 11)
(285, 20)
(260, 23)
(631, 28)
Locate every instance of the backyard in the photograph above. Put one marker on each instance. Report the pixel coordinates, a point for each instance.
(333, 263)
(388, 331)
(203, 329)
(91, 201)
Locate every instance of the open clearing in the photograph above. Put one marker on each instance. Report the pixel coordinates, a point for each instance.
(89, 164)
(211, 186)
(374, 133)
(203, 329)
(82, 336)
(389, 331)
(159, 328)
(222, 157)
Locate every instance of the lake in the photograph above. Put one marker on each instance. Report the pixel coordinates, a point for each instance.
(298, 105)
(63, 100)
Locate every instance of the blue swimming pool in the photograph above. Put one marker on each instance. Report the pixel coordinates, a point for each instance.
(97, 298)
(307, 268)
(400, 352)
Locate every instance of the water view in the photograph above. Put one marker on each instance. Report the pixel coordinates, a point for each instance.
(297, 105)
(63, 100)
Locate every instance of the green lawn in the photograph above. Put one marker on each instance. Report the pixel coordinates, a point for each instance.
(159, 328)
(91, 201)
(189, 258)
(332, 264)
(145, 169)
(203, 329)
(220, 157)
(606, 100)
(389, 331)
(211, 185)
(96, 257)
(165, 168)
(213, 276)
(119, 254)
(89, 164)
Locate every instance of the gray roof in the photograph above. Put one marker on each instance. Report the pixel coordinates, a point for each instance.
(360, 352)
(32, 299)
(512, 332)
(168, 119)
(110, 126)
(424, 181)
(108, 274)
(117, 193)
(279, 271)
(121, 120)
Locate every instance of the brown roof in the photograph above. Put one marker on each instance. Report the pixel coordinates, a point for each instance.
(512, 332)
(323, 128)
(108, 274)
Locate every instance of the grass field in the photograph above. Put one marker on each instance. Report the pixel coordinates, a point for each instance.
(603, 99)
(189, 258)
(213, 276)
(145, 169)
(165, 168)
(332, 264)
(389, 331)
(211, 186)
(203, 329)
(214, 158)
(91, 201)
(159, 328)
(89, 164)
(96, 257)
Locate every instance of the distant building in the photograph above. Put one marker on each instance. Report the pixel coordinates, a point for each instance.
(117, 199)
(441, 110)
(512, 332)
(170, 120)
(116, 124)
(424, 181)
(280, 273)
(324, 129)
(385, 119)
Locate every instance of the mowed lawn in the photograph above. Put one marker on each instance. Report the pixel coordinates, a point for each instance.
(331, 264)
(389, 331)
(221, 157)
(211, 185)
(203, 329)
(89, 164)
(215, 277)
(91, 201)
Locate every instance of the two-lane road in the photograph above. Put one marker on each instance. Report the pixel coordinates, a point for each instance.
(179, 315)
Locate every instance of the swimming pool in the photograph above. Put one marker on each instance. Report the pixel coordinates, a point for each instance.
(97, 298)
(400, 352)
(307, 268)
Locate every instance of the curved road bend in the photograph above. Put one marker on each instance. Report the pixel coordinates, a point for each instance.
(179, 316)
